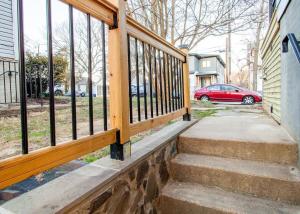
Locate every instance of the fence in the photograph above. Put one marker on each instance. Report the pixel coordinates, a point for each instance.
(9, 82)
(159, 66)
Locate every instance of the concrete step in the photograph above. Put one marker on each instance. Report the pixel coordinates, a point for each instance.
(265, 180)
(190, 198)
(281, 153)
(247, 137)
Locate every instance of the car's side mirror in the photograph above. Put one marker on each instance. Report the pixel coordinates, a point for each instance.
(237, 90)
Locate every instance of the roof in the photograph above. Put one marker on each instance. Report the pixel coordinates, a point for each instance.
(203, 56)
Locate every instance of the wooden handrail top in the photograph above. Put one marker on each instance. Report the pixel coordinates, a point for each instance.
(103, 10)
(137, 30)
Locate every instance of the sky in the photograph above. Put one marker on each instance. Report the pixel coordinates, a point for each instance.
(35, 25)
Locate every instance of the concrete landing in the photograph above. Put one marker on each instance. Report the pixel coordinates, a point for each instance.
(244, 134)
(243, 125)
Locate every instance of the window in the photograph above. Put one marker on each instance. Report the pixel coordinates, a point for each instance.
(206, 64)
(229, 88)
(214, 88)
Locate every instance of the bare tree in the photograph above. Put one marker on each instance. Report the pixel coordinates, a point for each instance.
(259, 21)
(191, 21)
(61, 43)
(241, 77)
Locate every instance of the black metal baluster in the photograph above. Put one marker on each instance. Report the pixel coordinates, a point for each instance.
(23, 93)
(51, 75)
(180, 94)
(180, 75)
(104, 95)
(160, 84)
(129, 79)
(165, 82)
(90, 76)
(169, 84)
(137, 79)
(150, 80)
(30, 81)
(9, 75)
(4, 80)
(35, 84)
(172, 83)
(155, 73)
(41, 89)
(145, 83)
(177, 84)
(72, 69)
(16, 85)
(182, 84)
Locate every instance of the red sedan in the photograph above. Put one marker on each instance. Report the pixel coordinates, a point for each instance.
(227, 93)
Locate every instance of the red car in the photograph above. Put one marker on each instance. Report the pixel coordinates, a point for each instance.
(227, 93)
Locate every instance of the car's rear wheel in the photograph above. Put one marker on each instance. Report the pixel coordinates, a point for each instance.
(58, 93)
(204, 98)
(248, 100)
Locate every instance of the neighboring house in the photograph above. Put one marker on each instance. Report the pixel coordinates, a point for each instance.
(281, 67)
(82, 87)
(205, 70)
(9, 77)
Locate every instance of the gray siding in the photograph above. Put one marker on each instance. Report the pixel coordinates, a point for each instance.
(211, 68)
(6, 29)
(290, 87)
(193, 64)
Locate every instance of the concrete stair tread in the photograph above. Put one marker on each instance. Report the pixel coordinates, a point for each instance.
(178, 197)
(261, 169)
(251, 128)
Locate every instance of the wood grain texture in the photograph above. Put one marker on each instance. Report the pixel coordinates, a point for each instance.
(103, 10)
(18, 168)
(139, 31)
(118, 79)
(145, 125)
(186, 82)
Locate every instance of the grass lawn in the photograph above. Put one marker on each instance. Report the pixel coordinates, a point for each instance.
(39, 128)
(197, 114)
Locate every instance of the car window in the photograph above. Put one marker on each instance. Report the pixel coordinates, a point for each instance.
(228, 88)
(214, 88)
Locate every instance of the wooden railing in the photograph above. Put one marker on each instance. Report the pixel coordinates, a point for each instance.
(163, 69)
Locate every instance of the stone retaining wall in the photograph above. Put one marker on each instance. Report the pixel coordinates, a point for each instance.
(109, 186)
(136, 190)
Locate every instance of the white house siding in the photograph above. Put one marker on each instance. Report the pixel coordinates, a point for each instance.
(6, 29)
(192, 85)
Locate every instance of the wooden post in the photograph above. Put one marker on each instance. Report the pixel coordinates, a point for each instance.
(118, 83)
(186, 82)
